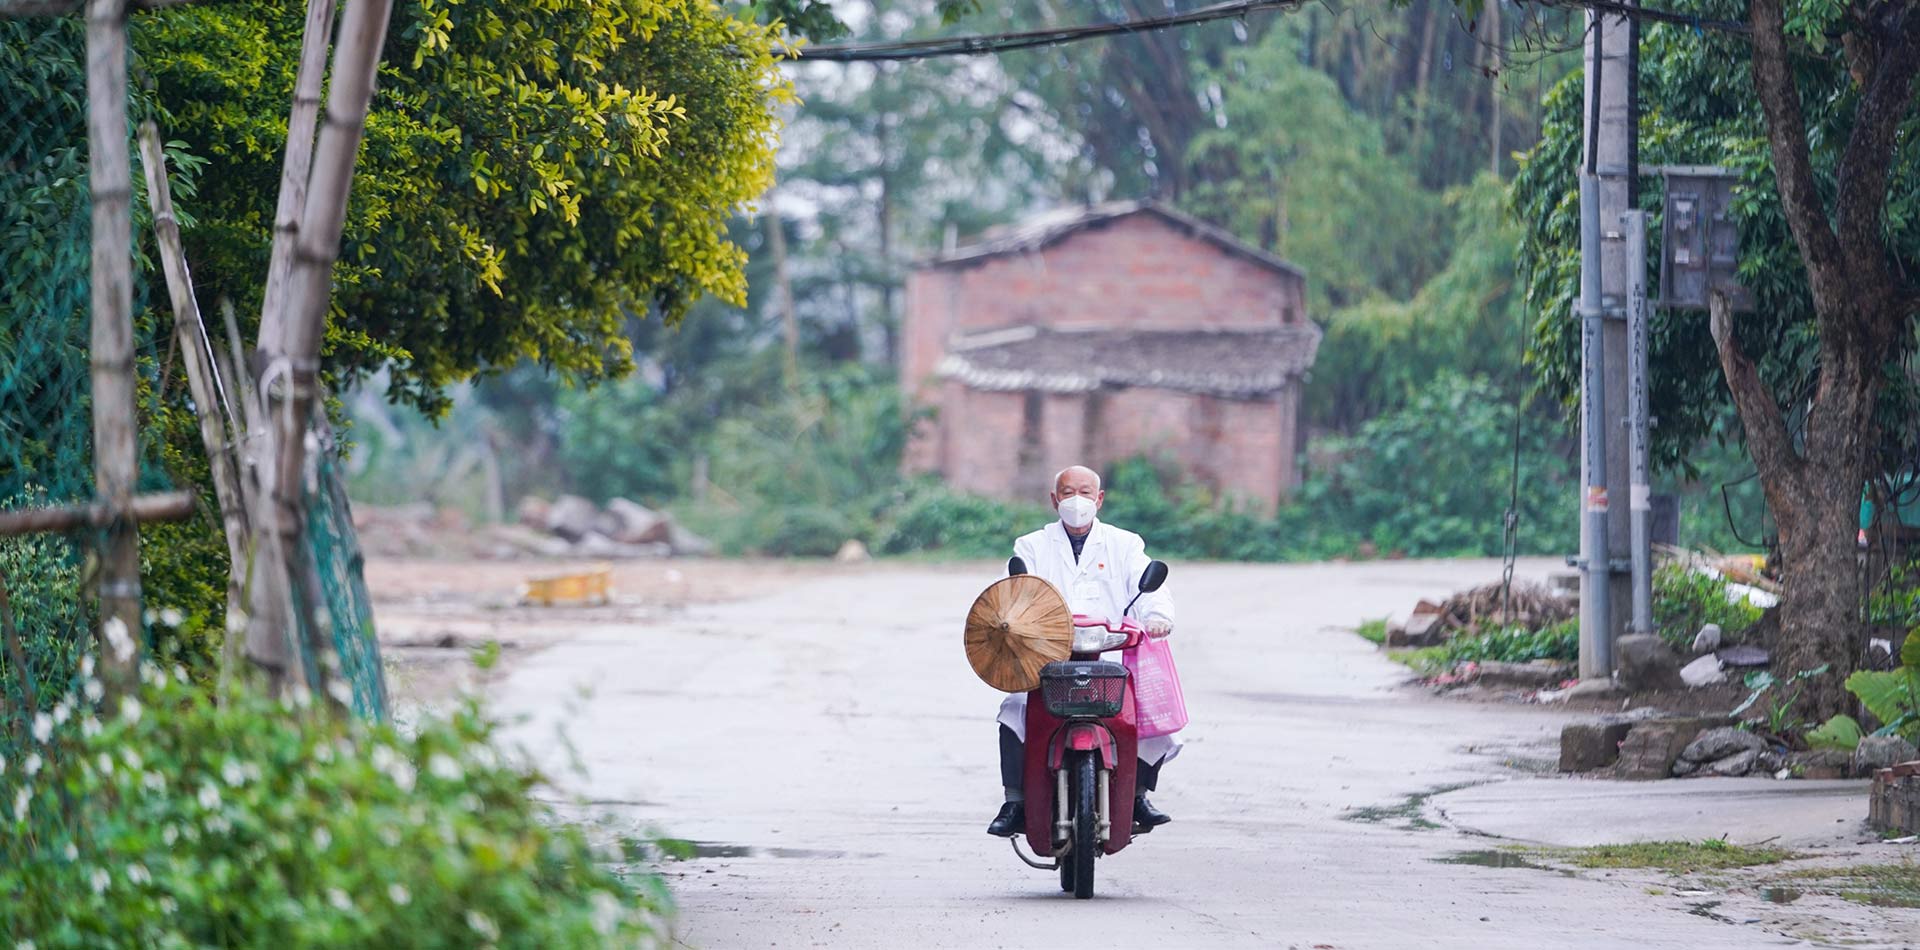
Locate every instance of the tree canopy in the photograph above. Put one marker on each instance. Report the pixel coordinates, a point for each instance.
(1699, 107)
(532, 173)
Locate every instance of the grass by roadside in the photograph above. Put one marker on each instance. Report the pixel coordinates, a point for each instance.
(1373, 631)
(1676, 857)
(1894, 884)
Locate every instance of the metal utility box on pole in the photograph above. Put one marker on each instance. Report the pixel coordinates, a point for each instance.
(1606, 190)
(1699, 240)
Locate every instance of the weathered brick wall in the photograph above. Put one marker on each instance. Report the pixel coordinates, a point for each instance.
(1894, 799)
(1137, 272)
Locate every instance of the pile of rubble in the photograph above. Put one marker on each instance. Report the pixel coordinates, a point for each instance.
(1528, 605)
(569, 526)
(1647, 745)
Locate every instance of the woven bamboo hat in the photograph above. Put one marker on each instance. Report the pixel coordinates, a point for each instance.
(1017, 626)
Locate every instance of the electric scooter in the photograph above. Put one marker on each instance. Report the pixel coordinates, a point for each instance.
(1082, 748)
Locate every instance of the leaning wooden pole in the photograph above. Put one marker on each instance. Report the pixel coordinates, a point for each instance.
(115, 458)
(290, 338)
(196, 352)
(302, 122)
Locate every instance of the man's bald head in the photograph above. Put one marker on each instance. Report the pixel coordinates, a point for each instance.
(1079, 475)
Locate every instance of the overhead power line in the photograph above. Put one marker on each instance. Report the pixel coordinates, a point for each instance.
(989, 43)
(1003, 42)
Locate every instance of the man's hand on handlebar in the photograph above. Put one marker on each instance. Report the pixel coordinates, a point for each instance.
(1158, 627)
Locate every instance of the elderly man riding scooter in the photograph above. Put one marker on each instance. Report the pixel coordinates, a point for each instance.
(1097, 567)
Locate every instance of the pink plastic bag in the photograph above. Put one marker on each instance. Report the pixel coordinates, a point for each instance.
(1159, 707)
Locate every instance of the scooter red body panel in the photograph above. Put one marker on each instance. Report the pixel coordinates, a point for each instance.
(1048, 741)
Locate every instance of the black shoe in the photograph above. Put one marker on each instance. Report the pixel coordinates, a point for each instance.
(1011, 821)
(1146, 816)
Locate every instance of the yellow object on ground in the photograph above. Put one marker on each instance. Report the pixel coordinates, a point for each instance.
(592, 586)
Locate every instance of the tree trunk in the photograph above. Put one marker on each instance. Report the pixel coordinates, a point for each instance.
(1814, 483)
(1493, 83)
(1423, 75)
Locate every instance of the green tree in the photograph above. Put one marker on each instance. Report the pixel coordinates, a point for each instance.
(1291, 167)
(1810, 110)
(532, 173)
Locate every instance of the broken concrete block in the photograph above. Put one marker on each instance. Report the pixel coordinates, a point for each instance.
(1716, 744)
(1821, 763)
(1535, 674)
(1702, 672)
(1740, 763)
(571, 517)
(630, 522)
(1646, 662)
(1708, 639)
(1881, 752)
(1652, 747)
(1585, 746)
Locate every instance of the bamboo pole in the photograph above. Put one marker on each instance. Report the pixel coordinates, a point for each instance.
(302, 121)
(290, 345)
(197, 355)
(170, 506)
(115, 460)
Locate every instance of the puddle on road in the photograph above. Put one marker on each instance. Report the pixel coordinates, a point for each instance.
(1492, 859)
(1489, 858)
(693, 850)
(1411, 811)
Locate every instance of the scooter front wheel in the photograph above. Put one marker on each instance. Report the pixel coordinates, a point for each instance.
(1086, 820)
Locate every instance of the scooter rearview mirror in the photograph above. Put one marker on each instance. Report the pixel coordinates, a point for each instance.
(1154, 576)
(1016, 566)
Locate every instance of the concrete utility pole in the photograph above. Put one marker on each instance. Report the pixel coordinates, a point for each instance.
(1606, 192)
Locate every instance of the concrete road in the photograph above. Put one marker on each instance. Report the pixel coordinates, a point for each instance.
(835, 755)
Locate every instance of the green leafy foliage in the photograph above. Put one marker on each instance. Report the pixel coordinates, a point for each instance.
(532, 173)
(1431, 479)
(1893, 696)
(1294, 179)
(189, 820)
(1840, 732)
(815, 469)
(1699, 107)
(1685, 599)
(1560, 641)
(1779, 717)
(42, 577)
(933, 519)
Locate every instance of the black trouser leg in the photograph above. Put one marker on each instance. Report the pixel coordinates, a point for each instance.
(1012, 760)
(1149, 778)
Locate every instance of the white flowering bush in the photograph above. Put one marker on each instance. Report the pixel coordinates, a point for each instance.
(188, 820)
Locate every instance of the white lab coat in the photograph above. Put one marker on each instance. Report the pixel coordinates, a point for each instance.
(1099, 584)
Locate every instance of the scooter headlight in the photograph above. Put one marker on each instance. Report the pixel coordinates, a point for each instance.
(1097, 640)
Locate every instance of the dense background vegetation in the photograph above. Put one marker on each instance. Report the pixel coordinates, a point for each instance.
(1372, 148)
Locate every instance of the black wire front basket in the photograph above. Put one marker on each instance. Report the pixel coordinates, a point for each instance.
(1083, 689)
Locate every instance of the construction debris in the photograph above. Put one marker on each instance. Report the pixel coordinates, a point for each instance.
(1528, 605)
(567, 527)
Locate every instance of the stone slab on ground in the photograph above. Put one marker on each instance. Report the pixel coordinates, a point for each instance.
(1652, 747)
(1585, 746)
(1568, 812)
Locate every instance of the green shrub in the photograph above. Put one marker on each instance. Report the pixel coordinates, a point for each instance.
(42, 575)
(1561, 641)
(935, 519)
(183, 821)
(1684, 600)
(1893, 696)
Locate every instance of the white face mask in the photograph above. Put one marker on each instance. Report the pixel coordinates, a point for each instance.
(1076, 511)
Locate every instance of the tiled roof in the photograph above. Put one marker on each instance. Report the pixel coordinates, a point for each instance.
(1238, 364)
(1046, 228)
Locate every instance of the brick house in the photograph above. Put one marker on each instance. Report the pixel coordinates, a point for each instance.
(1097, 334)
